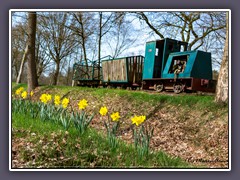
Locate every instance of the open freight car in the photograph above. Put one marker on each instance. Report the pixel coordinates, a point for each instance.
(87, 75)
(123, 72)
(168, 66)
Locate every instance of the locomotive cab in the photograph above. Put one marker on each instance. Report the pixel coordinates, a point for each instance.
(169, 66)
(156, 55)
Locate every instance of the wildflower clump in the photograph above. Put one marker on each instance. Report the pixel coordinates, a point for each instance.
(57, 100)
(111, 126)
(141, 136)
(138, 120)
(19, 91)
(65, 102)
(82, 104)
(103, 111)
(24, 94)
(45, 98)
(82, 119)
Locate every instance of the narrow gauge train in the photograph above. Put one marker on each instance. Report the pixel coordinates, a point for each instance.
(167, 66)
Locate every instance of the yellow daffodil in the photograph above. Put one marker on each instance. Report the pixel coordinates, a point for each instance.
(19, 91)
(49, 97)
(45, 98)
(103, 111)
(142, 118)
(115, 116)
(31, 93)
(24, 94)
(65, 102)
(57, 100)
(82, 104)
(138, 120)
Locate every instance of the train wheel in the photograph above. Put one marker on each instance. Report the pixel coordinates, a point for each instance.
(178, 87)
(123, 87)
(159, 87)
(134, 88)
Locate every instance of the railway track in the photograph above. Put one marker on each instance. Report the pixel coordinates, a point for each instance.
(166, 92)
(180, 94)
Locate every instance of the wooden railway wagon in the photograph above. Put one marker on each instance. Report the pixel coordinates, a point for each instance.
(123, 72)
(85, 75)
(168, 66)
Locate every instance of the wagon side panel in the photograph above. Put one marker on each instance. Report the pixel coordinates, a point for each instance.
(135, 69)
(115, 70)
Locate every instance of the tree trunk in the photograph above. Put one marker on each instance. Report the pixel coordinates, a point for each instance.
(85, 54)
(69, 71)
(83, 41)
(222, 84)
(32, 71)
(19, 77)
(99, 43)
(56, 73)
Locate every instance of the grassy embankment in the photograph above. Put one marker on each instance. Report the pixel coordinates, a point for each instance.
(92, 149)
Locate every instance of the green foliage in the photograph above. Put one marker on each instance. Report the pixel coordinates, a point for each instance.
(142, 137)
(49, 112)
(64, 119)
(53, 147)
(112, 128)
(45, 112)
(81, 121)
(16, 86)
(19, 106)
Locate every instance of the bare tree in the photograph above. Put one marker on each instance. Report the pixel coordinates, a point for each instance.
(100, 40)
(19, 77)
(122, 36)
(222, 84)
(107, 21)
(59, 38)
(83, 26)
(191, 27)
(19, 42)
(43, 60)
(32, 73)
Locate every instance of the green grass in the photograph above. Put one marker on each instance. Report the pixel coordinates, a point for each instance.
(186, 100)
(189, 100)
(136, 98)
(90, 150)
(16, 86)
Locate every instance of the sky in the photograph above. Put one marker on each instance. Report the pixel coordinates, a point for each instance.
(137, 48)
